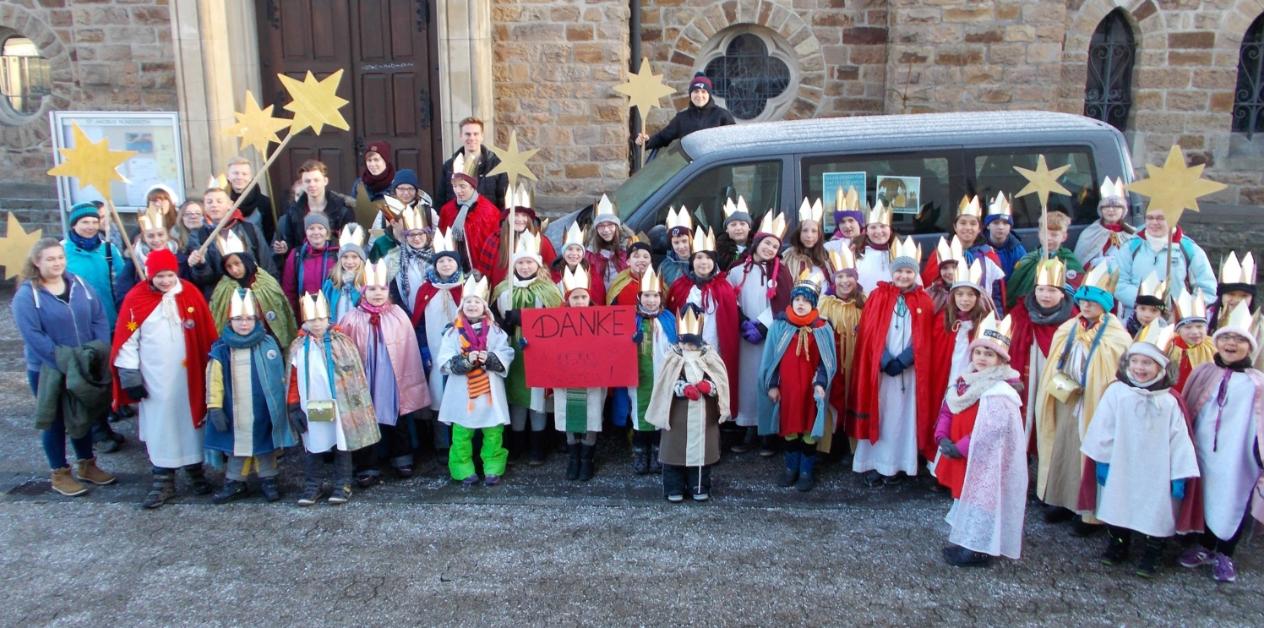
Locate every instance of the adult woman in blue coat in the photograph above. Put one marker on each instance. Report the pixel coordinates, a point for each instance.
(1148, 252)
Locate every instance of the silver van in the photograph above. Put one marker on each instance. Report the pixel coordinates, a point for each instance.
(921, 165)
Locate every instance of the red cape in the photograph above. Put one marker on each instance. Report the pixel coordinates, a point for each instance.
(930, 272)
(482, 222)
(596, 287)
(871, 340)
(424, 294)
(943, 343)
(499, 273)
(199, 335)
(726, 329)
(1022, 333)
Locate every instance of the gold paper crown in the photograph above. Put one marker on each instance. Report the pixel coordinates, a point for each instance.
(1239, 321)
(812, 279)
(217, 183)
(352, 235)
(375, 273)
(475, 287)
(574, 279)
(466, 166)
(842, 259)
(444, 242)
(879, 214)
(1152, 287)
(574, 236)
(703, 240)
(950, 253)
(1051, 273)
(908, 248)
(731, 208)
(1000, 207)
(152, 219)
(1157, 334)
(229, 244)
(970, 206)
(242, 304)
(811, 211)
(690, 322)
(650, 281)
(1113, 189)
(1233, 271)
(679, 218)
(393, 207)
(1190, 306)
(773, 223)
(519, 197)
(1102, 278)
(846, 202)
(1001, 331)
(970, 275)
(528, 245)
(314, 306)
(605, 211)
(416, 218)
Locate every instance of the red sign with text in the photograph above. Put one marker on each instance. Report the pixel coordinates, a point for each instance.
(580, 347)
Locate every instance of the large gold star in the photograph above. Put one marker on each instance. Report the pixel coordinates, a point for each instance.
(1174, 187)
(365, 209)
(256, 127)
(15, 246)
(1042, 181)
(315, 103)
(513, 161)
(644, 89)
(92, 163)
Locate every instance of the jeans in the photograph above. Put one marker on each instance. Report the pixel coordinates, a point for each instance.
(54, 438)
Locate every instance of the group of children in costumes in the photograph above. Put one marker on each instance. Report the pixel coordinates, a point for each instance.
(799, 340)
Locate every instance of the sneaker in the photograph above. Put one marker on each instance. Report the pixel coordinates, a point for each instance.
(1196, 556)
(898, 478)
(675, 498)
(270, 488)
(341, 495)
(470, 481)
(491, 480)
(405, 472)
(88, 471)
(1116, 553)
(66, 484)
(701, 497)
(366, 480)
(312, 493)
(1222, 570)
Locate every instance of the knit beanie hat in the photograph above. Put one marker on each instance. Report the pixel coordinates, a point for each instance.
(81, 211)
(700, 81)
(1096, 295)
(805, 292)
(160, 261)
(316, 218)
(406, 176)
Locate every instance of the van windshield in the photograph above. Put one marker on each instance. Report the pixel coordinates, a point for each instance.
(649, 179)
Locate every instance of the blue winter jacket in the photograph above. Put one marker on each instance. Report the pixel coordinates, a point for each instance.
(1009, 252)
(1190, 269)
(100, 269)
(46, 323)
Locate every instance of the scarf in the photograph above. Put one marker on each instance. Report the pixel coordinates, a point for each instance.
(803, 334)
(459, 223)
(409, 256)
(375, 314)
(235, 340)
(1051, 316)
(433, 278)
(473, 335)
(771, 269)
(971, 386)
(86, 244)
(374, 183)
(1115, 228)
(880, 247)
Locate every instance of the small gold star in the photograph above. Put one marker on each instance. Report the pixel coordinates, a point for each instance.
(15, 245)
(256, 127)
(513, 161)
(92, 163)
(644, 89)
(132, 326)
(1042, 181)
(1174, 187)
(315, 103)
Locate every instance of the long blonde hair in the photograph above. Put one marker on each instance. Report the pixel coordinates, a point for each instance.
(30, 272)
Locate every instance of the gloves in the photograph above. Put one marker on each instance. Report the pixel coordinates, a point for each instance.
(906, 358)
(949, 448)
(426, 362)
(522, 342)
(705, 388)
(751, 332)
(217, 419)
(692, 393)
(637, 337)
(459, 365)
(137, 392)
(513, 318)
(493, 364)
(893, 368)
(1103, 470)
(298, 419)
(1178, 489)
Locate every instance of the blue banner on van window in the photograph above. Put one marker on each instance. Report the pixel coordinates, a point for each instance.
(832, 181)
(902, 195)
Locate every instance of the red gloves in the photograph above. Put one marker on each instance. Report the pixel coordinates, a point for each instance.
(705, 387)
(692, 392)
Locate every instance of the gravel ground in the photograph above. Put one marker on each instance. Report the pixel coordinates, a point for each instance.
(539, 550)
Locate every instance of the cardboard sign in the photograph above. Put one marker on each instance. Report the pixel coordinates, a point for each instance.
(580, 347)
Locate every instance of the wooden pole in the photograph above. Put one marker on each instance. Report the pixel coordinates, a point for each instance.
(641, 146)
(245, 191)
(127, 240)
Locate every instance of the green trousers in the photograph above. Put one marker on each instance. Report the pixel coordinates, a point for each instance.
(461, 454)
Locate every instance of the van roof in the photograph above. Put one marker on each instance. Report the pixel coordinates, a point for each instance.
(890, 131)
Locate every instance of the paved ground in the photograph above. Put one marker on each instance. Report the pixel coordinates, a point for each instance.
(536, 550)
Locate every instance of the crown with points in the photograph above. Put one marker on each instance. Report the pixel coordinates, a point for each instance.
(1051, 273)
(1234, 271)
(151, 219)
(1191, 308)
(242, 304)
(520, 197)
(574, 279)
(352, 235)
(950, 252)
(1000, 207)
(217, 183)
(842, 259)
(1152, 287)
(812, 279)
(970, 276)
(811, 211)
(574, 236)
(970, 206)
(1101, 278)
(1113, 189)
(528, 245)
(229, 243)
(1157, 334)
(475, 287)
(703, 240)
(392, 207)
(690, 322)
(313, 305)
(415, 218)
(464, 166)
(650, 281)
(444, 242)
(908, 248)
(1001, 331)
(731, 208)
(605, 212)
(849, 201)
(880, 214)
(375, 273)
(1239, 320)
(774, 224)
(679, 218)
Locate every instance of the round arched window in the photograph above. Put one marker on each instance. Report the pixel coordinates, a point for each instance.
(752, 73)
(24, 77)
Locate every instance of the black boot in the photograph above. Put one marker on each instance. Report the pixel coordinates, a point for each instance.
(197, 478)
(1148, 566)
(1117, 542)
(313, 486)
(535, 448)
(270, 488)
(640, 460)
(162, 489)
(791, 454)
(807, 469)
(655, 465)
(1057, 514)
(515, 442)
(232, 490)
(958, 556)
(587, 466)
(746, 443)
(572, 462)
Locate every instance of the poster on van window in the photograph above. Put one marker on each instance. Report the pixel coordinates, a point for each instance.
(831, 182)
(901, 195)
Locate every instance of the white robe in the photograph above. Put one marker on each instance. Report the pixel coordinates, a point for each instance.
(1228, 463)
(709, 329)
(313, 385)
(594, 401)
(988, 517)
(753, 303)
(440, 312)
(457, 407)
(896, 449)
(1142, 436)
(157, 350)
(960, 364)
(873, 267)
(1035, 368)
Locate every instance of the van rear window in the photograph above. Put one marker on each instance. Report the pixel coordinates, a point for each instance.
(994, 172)
(918, 187)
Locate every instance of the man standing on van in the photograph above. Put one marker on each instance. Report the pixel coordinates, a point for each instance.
(702, 113)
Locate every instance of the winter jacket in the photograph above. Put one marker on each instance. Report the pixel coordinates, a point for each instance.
(291, 229)
(493, 188)
(207, 275)
(306, 270)
(45, 322)
(1190, 269)
(257, 208)
(78, 389)
(691, 119)
(99, 269)
(1009, 252)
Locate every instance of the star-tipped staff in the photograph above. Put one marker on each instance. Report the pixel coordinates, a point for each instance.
(1042, 182)
(644, 91)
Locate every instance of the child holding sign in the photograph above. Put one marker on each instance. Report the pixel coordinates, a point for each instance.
(577, 411)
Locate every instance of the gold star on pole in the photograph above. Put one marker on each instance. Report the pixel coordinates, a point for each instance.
(1042, 181)
(644, 89)
(256, 127)
(513, 161)
(15, 246)
(315, 103)
(365, 209)
(92, 163)
(1174, 187)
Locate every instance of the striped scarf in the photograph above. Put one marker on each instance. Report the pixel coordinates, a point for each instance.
(474, 339)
